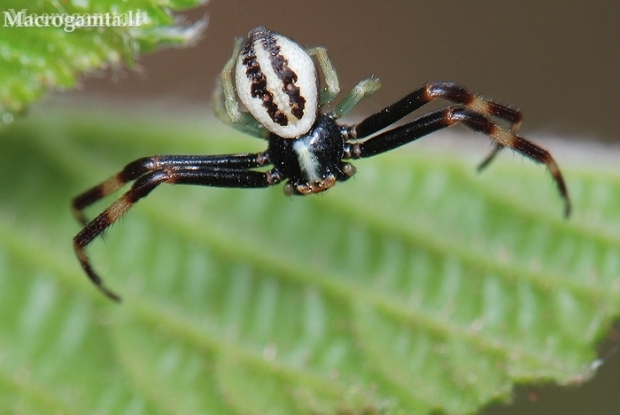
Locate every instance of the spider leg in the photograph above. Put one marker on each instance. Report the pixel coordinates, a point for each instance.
(474, 120)
(143, 165)
(363, 88)
(214, 176)
(429, 92)
(497, 148)
(489, 158)
(329, 74)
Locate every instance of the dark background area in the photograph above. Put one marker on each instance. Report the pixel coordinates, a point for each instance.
(558, 61)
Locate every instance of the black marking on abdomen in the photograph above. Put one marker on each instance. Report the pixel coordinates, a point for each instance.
(259, 85)
(280, 65)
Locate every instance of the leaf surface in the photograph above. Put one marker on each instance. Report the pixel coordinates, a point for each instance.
(417, 286)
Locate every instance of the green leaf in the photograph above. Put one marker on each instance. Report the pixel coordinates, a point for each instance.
(54, 56)
(417, 286)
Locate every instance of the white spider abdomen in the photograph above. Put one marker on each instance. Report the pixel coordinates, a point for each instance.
(277, 82)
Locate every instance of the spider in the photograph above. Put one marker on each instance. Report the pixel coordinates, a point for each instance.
(276, 81)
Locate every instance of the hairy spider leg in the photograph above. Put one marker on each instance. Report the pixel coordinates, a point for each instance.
(232, 171)
(514, 129)
(449, 91)
(429, 92)
(446, 117)
(144, 165)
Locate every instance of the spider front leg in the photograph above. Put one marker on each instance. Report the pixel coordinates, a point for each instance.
(144, 165)
(451, 92)
(148, 173)
(429, 92)
(476, 121)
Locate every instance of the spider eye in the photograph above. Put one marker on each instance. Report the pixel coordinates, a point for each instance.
(277, 82)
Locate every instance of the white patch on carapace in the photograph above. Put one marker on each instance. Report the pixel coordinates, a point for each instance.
(307, 161)
(275, 100)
